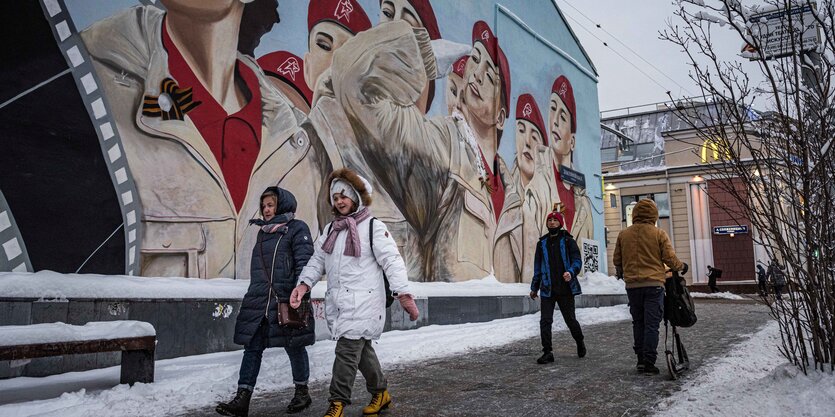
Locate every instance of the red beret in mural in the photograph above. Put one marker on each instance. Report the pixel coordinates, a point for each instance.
(460, 65)
(427, 16)
(483, 34)
(562, 88)
(526, 109)
(288, 68)
(346, 13)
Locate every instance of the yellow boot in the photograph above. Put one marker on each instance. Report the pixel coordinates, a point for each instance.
(379, 402)
(336, 409)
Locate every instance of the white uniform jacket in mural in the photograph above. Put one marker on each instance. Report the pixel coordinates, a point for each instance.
(190, 224)
(355, 303)
(423, 163)
(339, 141)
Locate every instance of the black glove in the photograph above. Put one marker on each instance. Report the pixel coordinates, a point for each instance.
(685, 268)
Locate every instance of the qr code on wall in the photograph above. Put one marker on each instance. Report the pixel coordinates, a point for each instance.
(591, 256)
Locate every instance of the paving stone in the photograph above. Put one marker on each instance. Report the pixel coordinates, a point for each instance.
(506, 381)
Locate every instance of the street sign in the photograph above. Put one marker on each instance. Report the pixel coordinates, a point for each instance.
(572, 177)
(772, 29)
(730, 230)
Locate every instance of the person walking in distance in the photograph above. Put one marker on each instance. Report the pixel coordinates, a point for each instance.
(712, 275)
(358, 254)
(641, 252)
(762, 278)
(557, 262)
(778, 278)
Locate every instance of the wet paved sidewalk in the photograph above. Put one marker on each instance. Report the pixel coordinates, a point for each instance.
(506, 381)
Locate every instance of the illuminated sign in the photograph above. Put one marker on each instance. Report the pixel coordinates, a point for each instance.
(730, 230)
(713, 148)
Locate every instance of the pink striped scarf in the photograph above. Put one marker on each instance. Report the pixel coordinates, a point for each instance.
(349, 222)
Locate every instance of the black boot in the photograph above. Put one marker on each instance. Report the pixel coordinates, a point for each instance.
(650, 369)
(640, 366)
(301, 400)
(581, 349)
(545, 358)
(238, 407)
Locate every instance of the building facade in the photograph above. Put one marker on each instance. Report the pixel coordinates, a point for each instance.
(651, 152)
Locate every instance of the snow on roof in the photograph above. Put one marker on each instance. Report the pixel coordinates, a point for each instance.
(62, 332)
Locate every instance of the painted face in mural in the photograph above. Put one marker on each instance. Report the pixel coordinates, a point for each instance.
(562, 138)
(455, 85)
(528, 140)
(268, 207)
(453, 90)
(481, 97)
(343, 204)
(391, 10)
(324, 39)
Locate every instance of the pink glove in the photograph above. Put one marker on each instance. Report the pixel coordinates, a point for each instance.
(408, 304)
(297, 295)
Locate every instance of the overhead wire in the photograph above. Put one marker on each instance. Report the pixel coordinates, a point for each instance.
(606, 44)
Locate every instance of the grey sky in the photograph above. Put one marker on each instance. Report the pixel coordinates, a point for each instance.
(636, 23)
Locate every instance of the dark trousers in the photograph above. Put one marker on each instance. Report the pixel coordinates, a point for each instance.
(711, 282)
(566, 305)
(647, 308)
(251, 362)
(763, 288)
(778, 291)
(352, 355)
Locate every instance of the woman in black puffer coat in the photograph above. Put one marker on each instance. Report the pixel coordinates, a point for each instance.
(282, 249)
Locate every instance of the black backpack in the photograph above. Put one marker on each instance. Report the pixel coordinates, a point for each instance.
(679, 308)
(389, 296)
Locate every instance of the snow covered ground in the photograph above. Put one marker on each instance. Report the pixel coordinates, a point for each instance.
(754, 380)
(719, 295)
(200, 381)
(55, 286)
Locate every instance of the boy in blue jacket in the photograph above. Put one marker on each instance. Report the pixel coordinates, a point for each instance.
(556, 265)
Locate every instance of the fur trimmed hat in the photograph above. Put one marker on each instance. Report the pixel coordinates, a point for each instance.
(361, 188)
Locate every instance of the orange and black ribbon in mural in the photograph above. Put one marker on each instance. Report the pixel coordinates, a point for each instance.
(172, 104)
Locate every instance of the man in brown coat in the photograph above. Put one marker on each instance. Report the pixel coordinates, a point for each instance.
(641, 252)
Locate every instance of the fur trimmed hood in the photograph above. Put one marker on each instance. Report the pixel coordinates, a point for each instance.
(360, 184)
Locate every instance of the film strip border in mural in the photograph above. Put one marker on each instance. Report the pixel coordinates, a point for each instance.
(13, 256)
(71, 46)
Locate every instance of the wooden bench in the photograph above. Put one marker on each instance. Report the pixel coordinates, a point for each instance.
(135, 339)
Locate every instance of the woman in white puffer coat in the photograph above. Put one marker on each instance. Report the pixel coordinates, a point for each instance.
(355, 302)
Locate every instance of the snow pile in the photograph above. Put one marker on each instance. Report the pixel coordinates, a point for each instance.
(719, 295)
(62, 332)
(754, 380)
(200, 381)
(599, 283)
(55, 286)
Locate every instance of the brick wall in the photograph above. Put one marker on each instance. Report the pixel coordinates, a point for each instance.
(733, 255)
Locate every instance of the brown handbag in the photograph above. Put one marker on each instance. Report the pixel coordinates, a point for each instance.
(287, 316)
(292, 317)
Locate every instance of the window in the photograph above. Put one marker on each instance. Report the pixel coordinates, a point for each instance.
(627, 154)
(662, 200)
(613, 200)
(644, 150)
(609, 154)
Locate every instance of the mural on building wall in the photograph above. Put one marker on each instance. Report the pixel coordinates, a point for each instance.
(215, 101)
